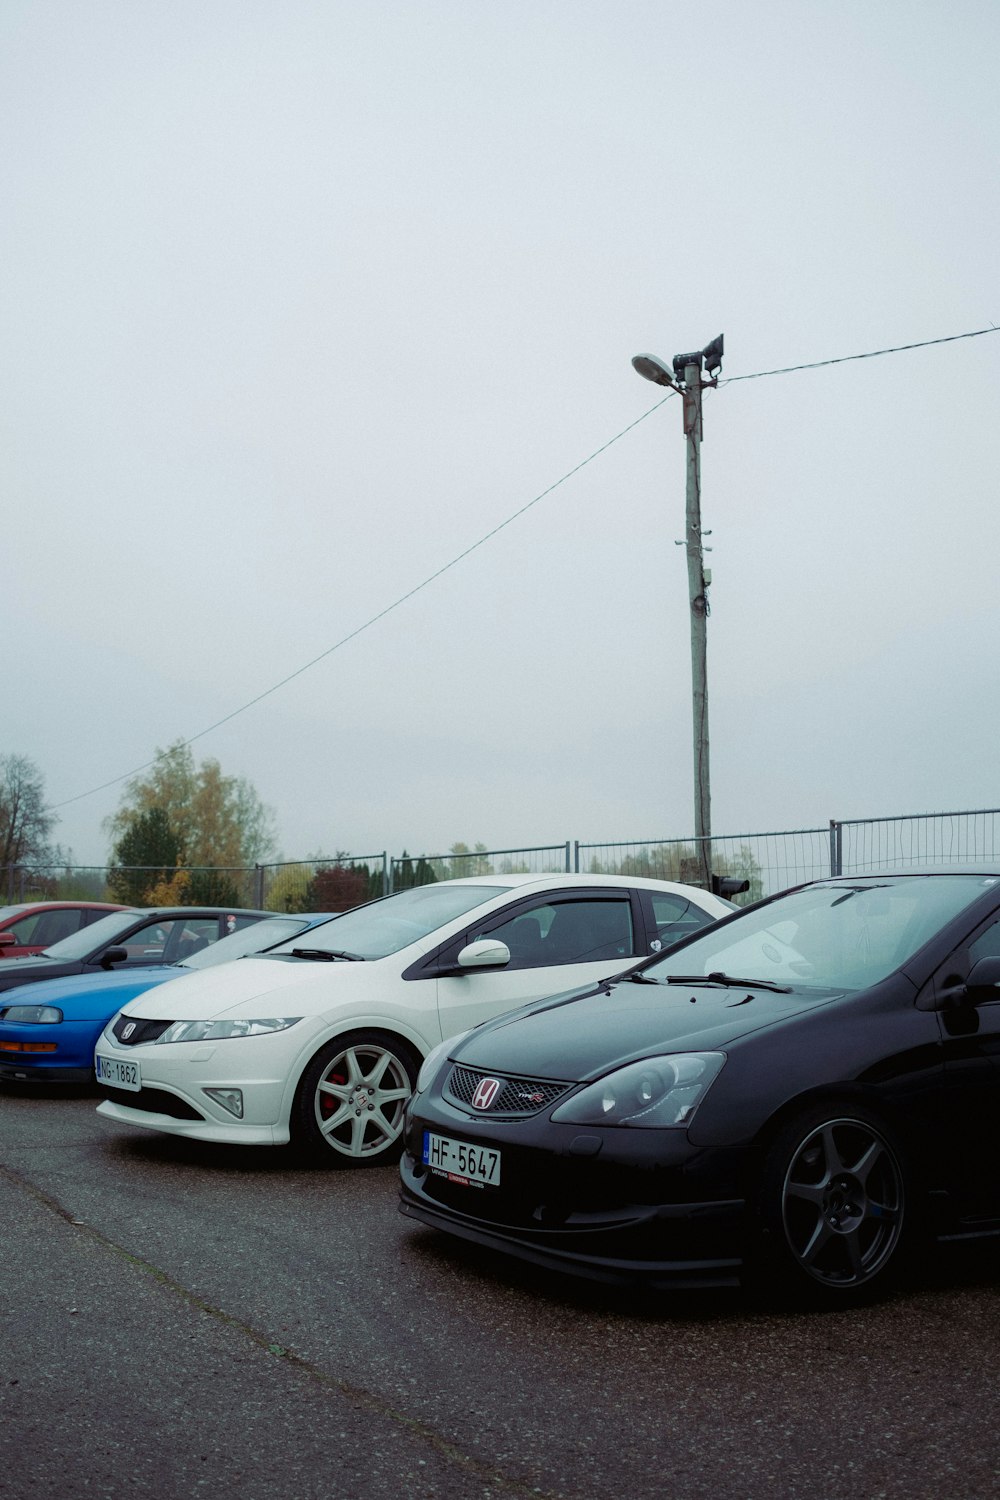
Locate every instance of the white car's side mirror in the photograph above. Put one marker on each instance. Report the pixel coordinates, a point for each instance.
(484, 953)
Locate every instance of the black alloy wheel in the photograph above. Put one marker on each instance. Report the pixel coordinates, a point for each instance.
(834, 1205)
(348, 1109)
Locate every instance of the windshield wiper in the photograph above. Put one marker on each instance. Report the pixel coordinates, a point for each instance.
(326, 954)
(643, 979)
(730, 981)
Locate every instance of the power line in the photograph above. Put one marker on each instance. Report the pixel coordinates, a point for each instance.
(374, 619)
(871, 354)
(489, 535)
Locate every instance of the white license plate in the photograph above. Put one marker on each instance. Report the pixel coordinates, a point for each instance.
(118, 1075)
(475, 1166)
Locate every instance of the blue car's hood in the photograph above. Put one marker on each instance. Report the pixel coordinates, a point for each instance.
(89, 997)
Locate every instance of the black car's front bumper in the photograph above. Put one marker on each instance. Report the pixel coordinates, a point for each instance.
(657, 1245)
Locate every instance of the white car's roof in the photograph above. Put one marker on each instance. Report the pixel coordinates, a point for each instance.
(565, 878)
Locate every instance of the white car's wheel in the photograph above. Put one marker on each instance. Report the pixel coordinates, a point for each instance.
(349, 1106)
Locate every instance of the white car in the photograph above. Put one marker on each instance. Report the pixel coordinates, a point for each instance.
(320, 1040)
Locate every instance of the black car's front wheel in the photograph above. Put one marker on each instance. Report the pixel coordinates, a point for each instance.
(833, 1205)
(348, 1109)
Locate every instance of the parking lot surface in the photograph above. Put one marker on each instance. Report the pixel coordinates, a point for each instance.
(177, 1320)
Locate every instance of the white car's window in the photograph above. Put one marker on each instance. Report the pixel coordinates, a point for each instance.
(566, 932)
(383, 927)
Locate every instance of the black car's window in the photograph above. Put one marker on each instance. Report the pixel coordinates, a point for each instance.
(986, 945)
(565, 932)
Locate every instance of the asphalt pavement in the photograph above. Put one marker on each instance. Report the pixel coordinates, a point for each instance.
(178, 1320)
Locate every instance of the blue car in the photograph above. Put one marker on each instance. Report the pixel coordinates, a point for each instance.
(48, 1029)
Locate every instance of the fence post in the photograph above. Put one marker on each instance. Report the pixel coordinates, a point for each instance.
(386, 883)
(836, 847)
(576, 856)
(258, 887)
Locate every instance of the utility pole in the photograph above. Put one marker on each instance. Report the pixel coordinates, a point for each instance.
(686, 379)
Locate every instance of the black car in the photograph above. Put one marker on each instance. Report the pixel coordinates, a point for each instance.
(161, 935)
(800, 1092)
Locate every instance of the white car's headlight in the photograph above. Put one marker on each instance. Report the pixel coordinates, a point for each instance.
(656, 1092)
(434, 1059)
(221, 1031)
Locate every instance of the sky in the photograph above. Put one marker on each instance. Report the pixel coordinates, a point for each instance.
(303, 300)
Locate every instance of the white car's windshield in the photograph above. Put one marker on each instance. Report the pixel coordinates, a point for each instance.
(383, 927)
(97, 935)
(833, 936)
(253, 938)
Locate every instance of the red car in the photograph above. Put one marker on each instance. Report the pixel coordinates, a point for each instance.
(36, 925)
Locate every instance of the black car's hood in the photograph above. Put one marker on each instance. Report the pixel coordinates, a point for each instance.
(582, 1036)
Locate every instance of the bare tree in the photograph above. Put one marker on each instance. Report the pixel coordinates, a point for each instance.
(25, 824)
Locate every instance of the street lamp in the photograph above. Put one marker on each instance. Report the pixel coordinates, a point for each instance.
(684, 376)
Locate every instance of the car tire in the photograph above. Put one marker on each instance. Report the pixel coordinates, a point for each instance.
(835, 1211)
(348, 1109)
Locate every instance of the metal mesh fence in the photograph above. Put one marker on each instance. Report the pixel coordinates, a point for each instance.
(769, 861)
(919, 839)
(545, 859)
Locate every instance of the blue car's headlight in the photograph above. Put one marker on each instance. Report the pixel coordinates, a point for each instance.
(221, 1031)
(42, 1015)
(658, 1091)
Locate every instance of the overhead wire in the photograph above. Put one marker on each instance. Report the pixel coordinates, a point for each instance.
(495, 531)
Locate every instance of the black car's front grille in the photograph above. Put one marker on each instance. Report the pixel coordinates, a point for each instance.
(515, 1096)
(131, 1032)
(152, 1101)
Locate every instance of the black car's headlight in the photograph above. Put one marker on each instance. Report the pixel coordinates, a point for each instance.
(656, 1092)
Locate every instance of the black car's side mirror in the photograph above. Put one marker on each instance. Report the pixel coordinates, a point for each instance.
(112, 956)
(981, 987)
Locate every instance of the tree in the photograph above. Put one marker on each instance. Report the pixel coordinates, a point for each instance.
(219, 820)
(148, 854)
(25, 824)
(338, 887)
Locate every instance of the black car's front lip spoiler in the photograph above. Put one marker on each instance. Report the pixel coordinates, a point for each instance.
(724, 1218)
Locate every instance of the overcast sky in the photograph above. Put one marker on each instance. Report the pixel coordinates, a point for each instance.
(303, 298)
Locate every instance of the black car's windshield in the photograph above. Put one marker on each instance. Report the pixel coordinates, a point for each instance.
(383, 927)
(81, 944)
(836, 935)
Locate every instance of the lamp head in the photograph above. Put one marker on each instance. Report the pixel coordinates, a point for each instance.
(651, 368)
